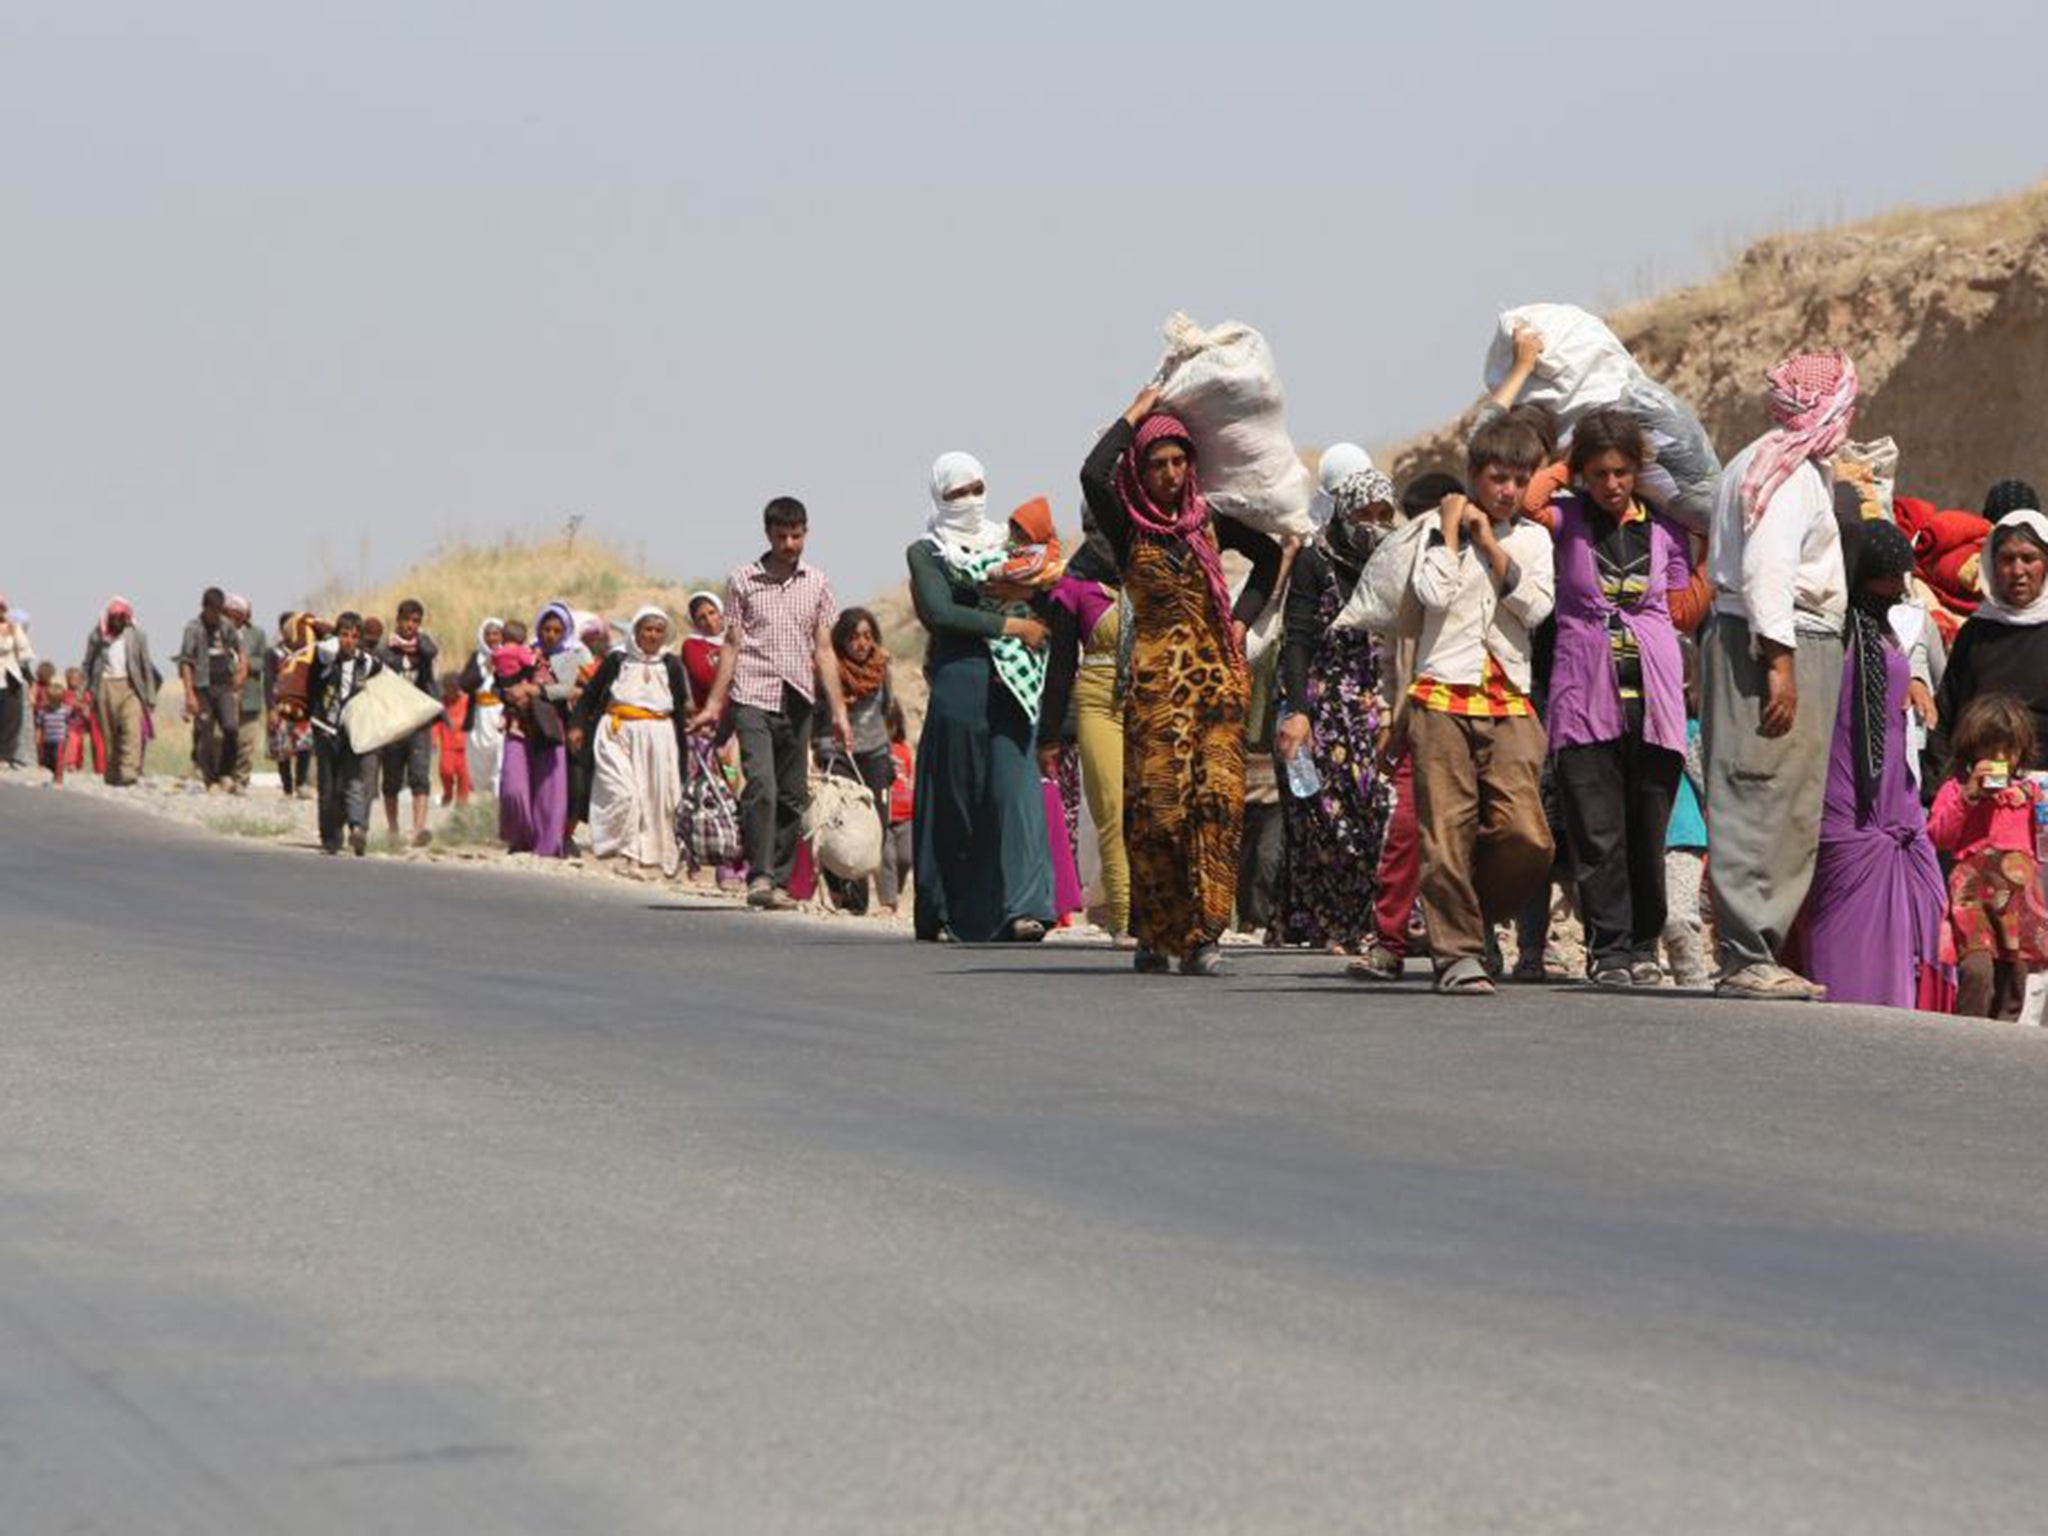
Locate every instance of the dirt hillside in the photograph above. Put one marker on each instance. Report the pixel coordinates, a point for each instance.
(1945, 313)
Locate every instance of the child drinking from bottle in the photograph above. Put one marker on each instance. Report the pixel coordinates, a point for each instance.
(1983, 818)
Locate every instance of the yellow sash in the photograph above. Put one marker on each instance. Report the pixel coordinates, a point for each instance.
(620, 712)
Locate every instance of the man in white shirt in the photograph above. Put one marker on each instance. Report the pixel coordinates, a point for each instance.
(1771, 671)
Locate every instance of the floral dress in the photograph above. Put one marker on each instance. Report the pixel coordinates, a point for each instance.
(1334, 837)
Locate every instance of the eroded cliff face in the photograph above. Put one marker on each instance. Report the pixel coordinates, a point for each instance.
(1945, 313)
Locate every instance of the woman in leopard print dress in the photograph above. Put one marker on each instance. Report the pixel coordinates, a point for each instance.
(1184, 710)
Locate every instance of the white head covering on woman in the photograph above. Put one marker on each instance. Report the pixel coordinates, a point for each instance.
(960, 529)
(649, 611)
(483, 643)
(2027, 524)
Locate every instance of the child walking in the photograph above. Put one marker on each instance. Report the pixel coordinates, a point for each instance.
(898, 852)
(451, 740)
(1983, 818)
(1484, 580)
(52, 721)
(341, 667)
(83, 742)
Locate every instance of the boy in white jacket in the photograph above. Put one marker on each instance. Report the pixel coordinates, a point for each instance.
(1484, 581)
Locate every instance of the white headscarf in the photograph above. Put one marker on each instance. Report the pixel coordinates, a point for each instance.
(483, 645)
(960, 530)
(650, 611)
(1993, 606)
(703, 595)
(1339, 463)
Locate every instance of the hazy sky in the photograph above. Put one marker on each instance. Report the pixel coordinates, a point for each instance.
(289, 286)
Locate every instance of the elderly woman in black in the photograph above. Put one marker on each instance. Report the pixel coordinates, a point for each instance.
(2003, 646)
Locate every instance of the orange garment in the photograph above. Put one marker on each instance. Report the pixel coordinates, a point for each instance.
(451, 734)
(1544, 484)
(903, 793)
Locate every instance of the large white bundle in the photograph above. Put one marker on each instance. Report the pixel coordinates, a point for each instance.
(1223, 384)
(843, 827)
(1584, 367)
(385, 709)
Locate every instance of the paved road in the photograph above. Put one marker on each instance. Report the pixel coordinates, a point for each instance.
(351, 1196)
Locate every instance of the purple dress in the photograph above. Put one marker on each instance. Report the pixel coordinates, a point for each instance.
(1874, 917)
(533, 797)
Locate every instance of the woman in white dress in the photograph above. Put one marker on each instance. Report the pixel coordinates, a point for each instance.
(632, 713)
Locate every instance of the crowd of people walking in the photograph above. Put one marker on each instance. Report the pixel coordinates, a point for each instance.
(1737, 750)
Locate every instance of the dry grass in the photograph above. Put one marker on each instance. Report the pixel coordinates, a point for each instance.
(1753, 269)
(463, 583)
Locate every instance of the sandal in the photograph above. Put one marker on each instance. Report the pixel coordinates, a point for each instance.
(1465, 977)
(1769, 983)
(1375, 962)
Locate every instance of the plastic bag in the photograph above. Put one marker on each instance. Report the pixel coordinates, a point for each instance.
(386, 709)
(1873, 468)
(1687, 472)
(1224, 385)
(843, 827)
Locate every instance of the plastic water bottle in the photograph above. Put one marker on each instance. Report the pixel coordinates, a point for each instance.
(1303, 782)
(2040, 817)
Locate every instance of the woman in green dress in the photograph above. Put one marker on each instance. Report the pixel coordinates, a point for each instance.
(984, 867)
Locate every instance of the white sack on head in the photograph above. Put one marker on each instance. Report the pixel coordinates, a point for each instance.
(1223, 385)
(1584, 367)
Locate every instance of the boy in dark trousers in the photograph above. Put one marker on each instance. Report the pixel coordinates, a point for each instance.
(409, 762)
(340, 670)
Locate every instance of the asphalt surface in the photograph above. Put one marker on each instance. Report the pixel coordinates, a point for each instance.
(351, 1196)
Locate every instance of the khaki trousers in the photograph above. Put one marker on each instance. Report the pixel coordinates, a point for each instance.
(1099, 729)
(1486, 846)
(1765, 794)
(248, 746)
(121, 724)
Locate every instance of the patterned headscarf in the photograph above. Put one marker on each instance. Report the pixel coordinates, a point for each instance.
(1189, 521)
(1347, 540)
(1885, 551)
(1813, 400)
(2009, 496)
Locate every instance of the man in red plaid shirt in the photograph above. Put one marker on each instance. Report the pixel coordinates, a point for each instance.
(778, 654)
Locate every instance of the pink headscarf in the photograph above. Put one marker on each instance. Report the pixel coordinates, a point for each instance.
(1190, 521)
(116, 608)
(1813, 399)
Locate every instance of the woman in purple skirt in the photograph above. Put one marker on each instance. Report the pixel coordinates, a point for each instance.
(1875, 912)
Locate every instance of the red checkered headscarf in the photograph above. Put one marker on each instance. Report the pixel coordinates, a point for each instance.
(1189, 521)
(1813, 400)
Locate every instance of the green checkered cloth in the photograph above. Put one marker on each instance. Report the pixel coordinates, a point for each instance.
(1020, 667)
